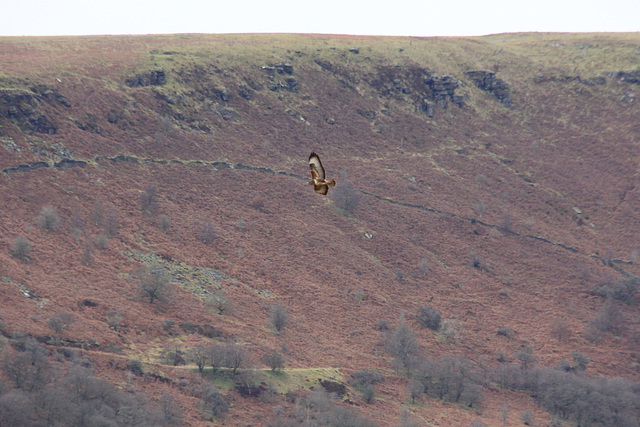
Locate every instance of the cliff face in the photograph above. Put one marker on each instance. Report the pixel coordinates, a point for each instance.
(492, 179)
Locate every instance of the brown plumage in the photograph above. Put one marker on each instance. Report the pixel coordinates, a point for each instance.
(320, 184)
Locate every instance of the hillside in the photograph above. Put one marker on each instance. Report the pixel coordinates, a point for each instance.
(494, 180)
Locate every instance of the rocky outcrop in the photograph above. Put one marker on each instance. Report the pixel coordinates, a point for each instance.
(151, 78)
(632, 77)
(283, 68)
(24, 108)
(420, 86)
(488, 82)
(443, 89)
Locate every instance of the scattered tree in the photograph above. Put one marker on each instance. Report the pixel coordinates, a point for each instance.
(164, 223)
(207, 233)
(20, 248)
(48, 218)
(273, 359)
(219, 302)
(154, 283)
(199, 356)
(345, 196)
(429, 317)
(278, 316)
(403, 345)
(60, 321)
(213, 404)
(149, 200)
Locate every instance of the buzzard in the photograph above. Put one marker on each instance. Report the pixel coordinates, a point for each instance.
(320, 185)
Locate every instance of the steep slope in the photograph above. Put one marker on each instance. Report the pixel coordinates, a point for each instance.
(497, 180)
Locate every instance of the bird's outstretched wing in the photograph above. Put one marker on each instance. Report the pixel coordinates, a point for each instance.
(317, 171)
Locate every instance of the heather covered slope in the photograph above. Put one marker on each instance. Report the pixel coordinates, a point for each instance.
(497, 177)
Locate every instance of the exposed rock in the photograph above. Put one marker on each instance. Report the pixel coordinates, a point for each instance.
(354, 50)
(632, 77)
(26, 168)
(245, 92)
(223, 94)
(292, 85)
(151, 78)
(226, 113)
(70, 163)
(426, 107)
(284, 67)
(51, 95)
(23, 108)
(113, 116)
(487, 81)
(443, 89)
(89, 125)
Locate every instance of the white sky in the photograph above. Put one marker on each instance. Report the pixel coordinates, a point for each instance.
(372, 17)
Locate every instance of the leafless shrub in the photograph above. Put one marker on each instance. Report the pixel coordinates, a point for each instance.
(97, 213)
(526, 357)
(216, 356)
(273, 359)
(114, 319)
(450, 329)
(154, 283)
(429, 317)
(111, 222)
(76, 222)
(198, 355)
(506, 332)
(164, 222)
(102, 241)
(219, 302)
(278, 317)
(609, 319)
(48, 218)
(424, 266)
(87, 252)
(560, 330)
(346, 197)
(172, 354)
(149, 200)
(60, 321)
(402, 344)
(479, 207)
(207, 233)
(213, 404)
(236, 357)
(20, 248)
(623, 289)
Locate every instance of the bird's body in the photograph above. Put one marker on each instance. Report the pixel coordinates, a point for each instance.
(320, 184)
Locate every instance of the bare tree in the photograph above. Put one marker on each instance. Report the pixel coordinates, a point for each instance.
(207, 232)
(164, 222)
(278, 316)
(149, 200)
(61, 321)
(273, 359)
(402, 344)
(198, 355)
(345, 196)
(20, 248)
(48, 218)
(154, 283)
